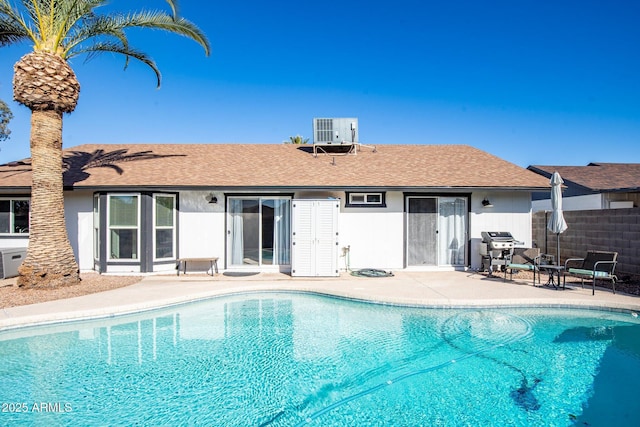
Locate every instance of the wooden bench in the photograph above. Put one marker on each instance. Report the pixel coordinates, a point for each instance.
(182, 262)
(597, 265)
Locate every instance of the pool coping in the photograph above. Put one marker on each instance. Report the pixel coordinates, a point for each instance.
(439, 290)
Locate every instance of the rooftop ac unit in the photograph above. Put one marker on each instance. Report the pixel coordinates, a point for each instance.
(335, 131)
(10, 260)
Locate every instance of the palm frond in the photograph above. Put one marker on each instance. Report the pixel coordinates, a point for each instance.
(11, 32)
(39, 24)
(102, 33)
(173, 4)
(70, 15)
(13, 27)
(69, 28)
(103, 47)
(159, 21)
(94, 28)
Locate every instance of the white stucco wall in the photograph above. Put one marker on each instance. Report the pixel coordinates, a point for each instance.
(511, 212)
(78, 213)
(375, 236)
(202, 230)
(574, 203)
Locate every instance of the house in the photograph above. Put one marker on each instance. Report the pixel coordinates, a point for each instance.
(136, 208)
(595, 186)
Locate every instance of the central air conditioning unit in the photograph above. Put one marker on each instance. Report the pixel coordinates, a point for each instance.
(335, 131)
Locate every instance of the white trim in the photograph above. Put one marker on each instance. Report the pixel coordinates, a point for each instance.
(109, 228)
(172, 227)
(229, 233)
(365, 199)
(95, 227)
(439, 232)
(12, 215)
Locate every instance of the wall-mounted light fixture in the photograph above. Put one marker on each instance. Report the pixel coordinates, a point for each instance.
(486, 203)
(211, 199)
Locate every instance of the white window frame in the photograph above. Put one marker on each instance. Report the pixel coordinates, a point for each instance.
(96, 227)
(172, 227)
(123, 227)
(365, 199)
(12, 215)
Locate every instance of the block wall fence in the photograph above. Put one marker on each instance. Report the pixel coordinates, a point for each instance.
(616, 230)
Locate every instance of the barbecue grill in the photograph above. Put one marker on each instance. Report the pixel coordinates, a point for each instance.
(496, 249)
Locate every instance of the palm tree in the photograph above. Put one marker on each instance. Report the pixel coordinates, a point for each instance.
(45, 83)
(297, 140)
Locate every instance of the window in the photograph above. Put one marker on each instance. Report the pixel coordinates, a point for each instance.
(14, 216)
(164, 223)
(123, 226)
(366, 199)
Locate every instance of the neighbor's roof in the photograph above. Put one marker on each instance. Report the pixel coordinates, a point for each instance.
(600, 177)
(280, 166)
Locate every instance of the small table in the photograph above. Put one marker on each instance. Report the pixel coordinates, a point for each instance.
(553, 271)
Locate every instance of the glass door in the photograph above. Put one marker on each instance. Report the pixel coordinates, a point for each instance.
(436, 231)
(258, 231)
(422, 228)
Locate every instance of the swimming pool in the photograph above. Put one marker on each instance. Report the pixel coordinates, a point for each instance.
(288, 359)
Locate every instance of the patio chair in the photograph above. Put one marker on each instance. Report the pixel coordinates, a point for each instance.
(597, 265)
(528, 259)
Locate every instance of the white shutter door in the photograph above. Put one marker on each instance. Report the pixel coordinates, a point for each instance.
(314, 237)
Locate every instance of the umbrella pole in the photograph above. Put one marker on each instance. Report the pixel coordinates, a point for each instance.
(558, 248)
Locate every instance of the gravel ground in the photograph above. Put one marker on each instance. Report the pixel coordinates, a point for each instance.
(12, 295)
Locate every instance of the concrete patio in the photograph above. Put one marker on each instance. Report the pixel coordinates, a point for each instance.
(433, 289)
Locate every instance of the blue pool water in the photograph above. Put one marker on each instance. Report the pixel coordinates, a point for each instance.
(279, 359)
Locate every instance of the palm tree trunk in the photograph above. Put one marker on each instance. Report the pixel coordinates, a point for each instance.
(50, 261)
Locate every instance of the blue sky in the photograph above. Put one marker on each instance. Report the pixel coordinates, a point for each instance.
(533, 82)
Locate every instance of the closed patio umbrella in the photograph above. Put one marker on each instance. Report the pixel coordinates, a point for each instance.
(556, 223)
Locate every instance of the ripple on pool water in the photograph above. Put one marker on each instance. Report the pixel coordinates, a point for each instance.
(295, 359)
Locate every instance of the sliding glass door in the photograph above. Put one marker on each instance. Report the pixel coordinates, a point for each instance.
(436, 231)
(258, 231)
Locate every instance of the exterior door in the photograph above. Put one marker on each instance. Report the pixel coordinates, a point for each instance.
(436, 231)
(258, 231)
(315, 238)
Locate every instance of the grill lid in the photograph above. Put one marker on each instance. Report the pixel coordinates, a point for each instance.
(498, 240)
(497, 236)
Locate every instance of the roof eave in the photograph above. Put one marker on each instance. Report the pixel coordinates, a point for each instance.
(449, 189)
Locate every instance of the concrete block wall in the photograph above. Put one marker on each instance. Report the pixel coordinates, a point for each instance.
(616, 230)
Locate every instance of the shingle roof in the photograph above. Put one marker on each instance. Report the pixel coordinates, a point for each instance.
(598, 176)
(280, 166)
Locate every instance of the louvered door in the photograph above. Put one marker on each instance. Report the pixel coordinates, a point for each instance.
(314, 237)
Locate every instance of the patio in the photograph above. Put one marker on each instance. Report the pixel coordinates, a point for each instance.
(432, 289)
